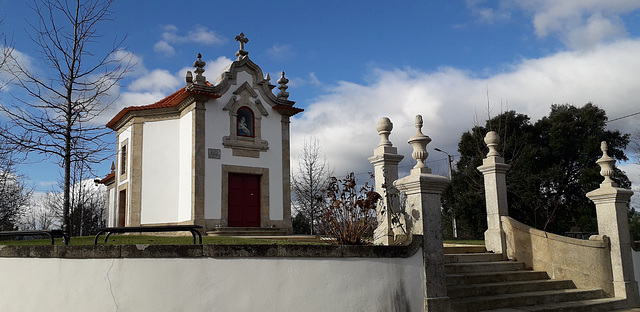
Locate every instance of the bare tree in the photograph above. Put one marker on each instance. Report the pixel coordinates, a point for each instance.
(39, 215)
(15, 196)
(56, 116)
(6, 49)
(310, 182)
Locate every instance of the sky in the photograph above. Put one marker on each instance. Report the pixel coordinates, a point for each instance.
(352, 62)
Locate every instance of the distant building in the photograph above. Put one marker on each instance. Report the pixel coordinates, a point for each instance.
(215, 155)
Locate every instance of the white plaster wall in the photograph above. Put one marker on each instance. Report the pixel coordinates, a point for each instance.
(206, 284)
(185, 164)
(217, 126)
(111, 205)
(160, 171)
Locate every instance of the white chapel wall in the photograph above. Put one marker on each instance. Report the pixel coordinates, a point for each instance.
(217, 125)
(185, 163)
(111, 205)
(160, 171)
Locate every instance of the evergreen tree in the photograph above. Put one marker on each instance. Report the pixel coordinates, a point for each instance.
(552, 168)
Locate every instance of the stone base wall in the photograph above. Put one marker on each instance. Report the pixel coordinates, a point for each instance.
(586, 262)
(211, 278)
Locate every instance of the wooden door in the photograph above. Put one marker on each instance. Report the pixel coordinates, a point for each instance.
(122, 209)
(244, 200)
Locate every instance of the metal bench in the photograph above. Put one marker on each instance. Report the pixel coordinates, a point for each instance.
(50, 233)
(193, 229)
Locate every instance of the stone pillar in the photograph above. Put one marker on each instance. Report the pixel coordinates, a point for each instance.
(495, 189)
(611, 209)
(423, 217)
(385, 161)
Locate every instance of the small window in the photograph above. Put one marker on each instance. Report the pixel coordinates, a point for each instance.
(245, 122)
(123, 159)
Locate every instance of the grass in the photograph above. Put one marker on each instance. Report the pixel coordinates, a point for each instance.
(185, 240)
(157, 240)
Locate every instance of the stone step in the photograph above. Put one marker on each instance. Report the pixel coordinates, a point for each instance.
(246, 231)
(463, 291)
(477, 267)
(494, 277)
(460, 249)
(589, 305)
(472, 257)
(482, 303)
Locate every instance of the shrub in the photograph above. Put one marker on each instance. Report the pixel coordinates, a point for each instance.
(350, 216)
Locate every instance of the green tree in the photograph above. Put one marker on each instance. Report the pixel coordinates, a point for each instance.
(552, 168)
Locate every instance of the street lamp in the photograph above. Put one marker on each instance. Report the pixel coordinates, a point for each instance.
(453, 214)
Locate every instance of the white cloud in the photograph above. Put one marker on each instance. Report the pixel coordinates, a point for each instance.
(579, 24)
(158, 80)
(280, 51)
(486, 14)
(164, 47)
(451, 100)
(197, 34)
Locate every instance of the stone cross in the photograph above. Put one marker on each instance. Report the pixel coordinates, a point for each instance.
(241, 38)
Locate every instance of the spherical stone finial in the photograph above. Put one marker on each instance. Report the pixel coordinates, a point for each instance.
(606, 164)
(492, 139)
(419, 143)
(384, 127)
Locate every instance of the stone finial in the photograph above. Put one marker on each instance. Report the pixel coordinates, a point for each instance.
(113, 167)
(199, 65)
(241, 53)
(419, 143)
(384, 127)
(283, 94)
(492, 139)
(606, 165)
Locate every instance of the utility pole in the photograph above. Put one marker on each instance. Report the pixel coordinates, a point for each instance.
(453, 214)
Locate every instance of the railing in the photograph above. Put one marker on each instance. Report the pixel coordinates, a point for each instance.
(193, 229)
(50, 233)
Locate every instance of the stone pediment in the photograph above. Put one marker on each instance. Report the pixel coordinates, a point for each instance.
(260, 83)
(245, 94)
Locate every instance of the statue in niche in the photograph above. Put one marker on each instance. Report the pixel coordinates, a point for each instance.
(245, 122)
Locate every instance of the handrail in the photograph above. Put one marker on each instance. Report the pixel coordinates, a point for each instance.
(193, 229)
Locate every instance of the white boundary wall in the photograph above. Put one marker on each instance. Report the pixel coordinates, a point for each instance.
(213, 284)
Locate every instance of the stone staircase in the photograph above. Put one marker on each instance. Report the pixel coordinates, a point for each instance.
(246, 231)
(486, 282)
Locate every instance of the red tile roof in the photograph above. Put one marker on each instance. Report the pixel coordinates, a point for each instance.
(170, 101)
(108, 178)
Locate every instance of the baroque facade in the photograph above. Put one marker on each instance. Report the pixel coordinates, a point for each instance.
(215, 155)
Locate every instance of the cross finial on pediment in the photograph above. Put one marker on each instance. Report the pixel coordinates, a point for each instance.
(242, 39)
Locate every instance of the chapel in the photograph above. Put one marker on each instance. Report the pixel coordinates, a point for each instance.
(210, 154)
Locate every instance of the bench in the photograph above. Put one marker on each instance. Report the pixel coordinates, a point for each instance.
(193, 229)
(50, 233)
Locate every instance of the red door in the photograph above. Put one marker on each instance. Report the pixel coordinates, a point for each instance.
(244, 200)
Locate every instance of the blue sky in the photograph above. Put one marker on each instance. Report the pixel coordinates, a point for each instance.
(352, 62)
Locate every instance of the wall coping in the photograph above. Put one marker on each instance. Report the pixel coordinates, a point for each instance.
(595, 241)
(210, 251)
